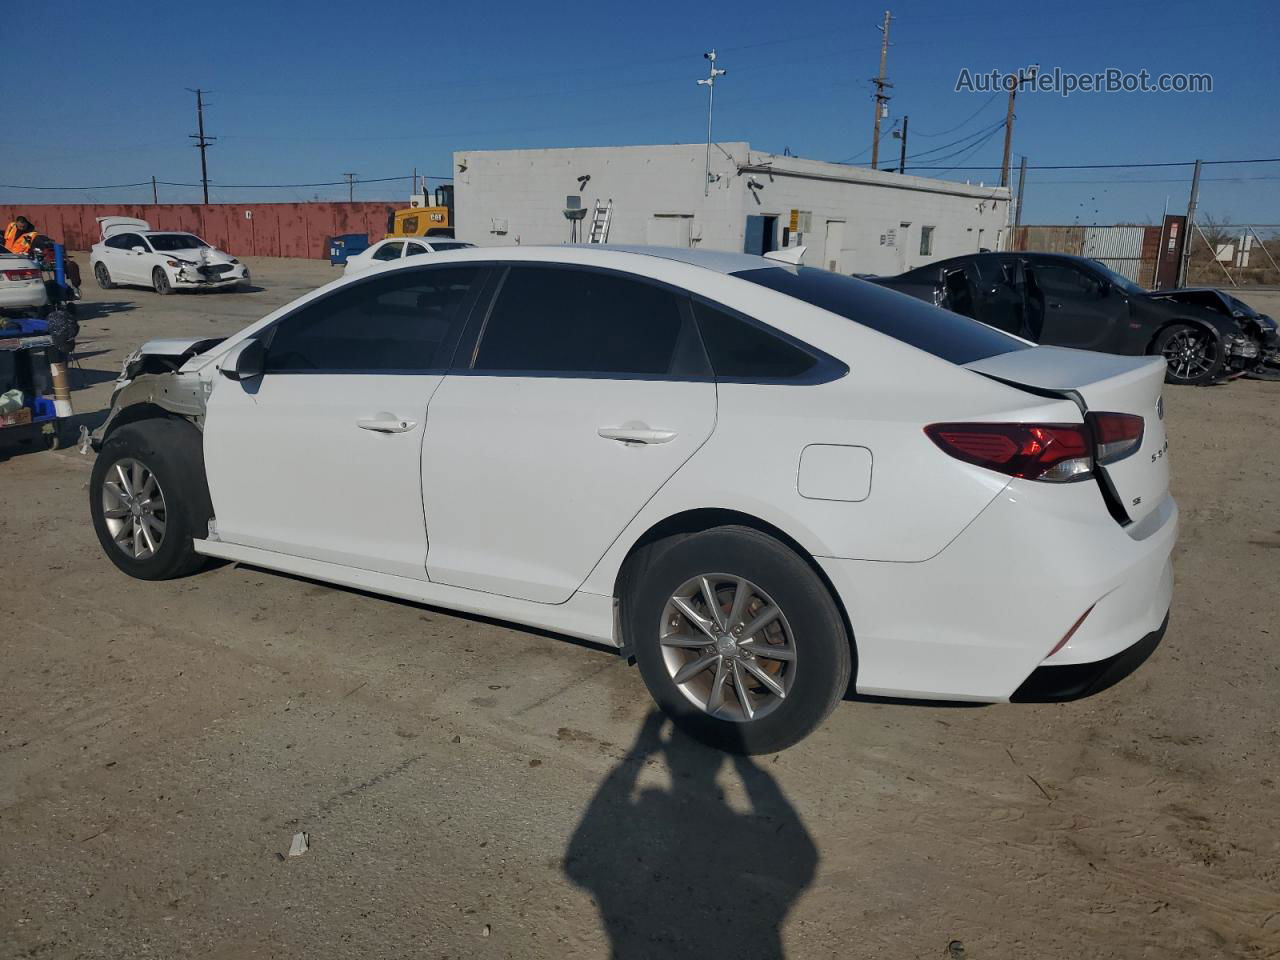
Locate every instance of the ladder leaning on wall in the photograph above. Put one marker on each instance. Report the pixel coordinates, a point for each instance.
(601, 218)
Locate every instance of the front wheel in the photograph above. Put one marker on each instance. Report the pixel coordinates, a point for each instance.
(149, 499)
(737, 638)
(1192, 354)
(160, 280)
(102, 275)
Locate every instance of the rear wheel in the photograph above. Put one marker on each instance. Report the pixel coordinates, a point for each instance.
(149, 499)
(160, 280)
(1192, 353)
(737, 638)
(103, 276)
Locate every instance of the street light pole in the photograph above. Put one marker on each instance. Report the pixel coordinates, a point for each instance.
(710, 82)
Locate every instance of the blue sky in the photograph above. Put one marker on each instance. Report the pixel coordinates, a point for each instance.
(303, 92)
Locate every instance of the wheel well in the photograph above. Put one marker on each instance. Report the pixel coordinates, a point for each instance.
(137, 412)
(697, 521)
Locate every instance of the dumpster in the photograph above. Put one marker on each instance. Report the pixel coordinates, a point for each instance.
(343, 245)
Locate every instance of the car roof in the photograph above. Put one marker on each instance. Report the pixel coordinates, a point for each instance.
(717, 261)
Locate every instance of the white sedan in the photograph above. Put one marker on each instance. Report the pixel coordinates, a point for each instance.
(22, 287)
(395, 249)
(130, 252)
(756, 479)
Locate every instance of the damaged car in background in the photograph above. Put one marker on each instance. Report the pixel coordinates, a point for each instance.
(130, 252)
(1067, 301)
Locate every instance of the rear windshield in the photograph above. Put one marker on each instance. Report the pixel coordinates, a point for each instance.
(164, 242)
(931, 329)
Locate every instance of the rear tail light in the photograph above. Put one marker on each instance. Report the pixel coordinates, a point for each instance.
(1056, 452)
(21, 274)
(1116, 435)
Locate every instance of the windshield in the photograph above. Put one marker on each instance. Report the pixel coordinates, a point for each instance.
(1124, 283)
(164, 242)
(931, 329)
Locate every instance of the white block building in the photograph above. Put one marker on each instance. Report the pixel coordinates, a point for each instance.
(851, 220)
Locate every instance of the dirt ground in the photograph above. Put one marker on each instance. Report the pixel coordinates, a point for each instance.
(472, 789)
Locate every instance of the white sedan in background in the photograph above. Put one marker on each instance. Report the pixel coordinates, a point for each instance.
(130, 252)
(759, 480)
(395, 249)
(22, 286)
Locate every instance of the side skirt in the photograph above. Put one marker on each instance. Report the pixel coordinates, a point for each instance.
(587, 616)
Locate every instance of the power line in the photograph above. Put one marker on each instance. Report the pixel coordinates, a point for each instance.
(942, 133)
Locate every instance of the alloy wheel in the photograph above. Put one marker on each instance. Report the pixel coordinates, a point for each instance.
(1190, 354)
(728, 647)
(134, 509)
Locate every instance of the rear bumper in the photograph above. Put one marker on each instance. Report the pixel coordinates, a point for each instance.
(979, 619)
(1075, 681)
(17, 294)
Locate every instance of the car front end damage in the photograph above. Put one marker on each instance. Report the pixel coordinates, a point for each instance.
(152, 384)
(205, 269)
(1249, 338)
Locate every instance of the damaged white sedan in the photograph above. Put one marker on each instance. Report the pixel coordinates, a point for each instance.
(130, 252)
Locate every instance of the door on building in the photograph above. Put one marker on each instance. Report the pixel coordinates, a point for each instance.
(904, 245)
(761, 236)
(670, 230)
(835, 246)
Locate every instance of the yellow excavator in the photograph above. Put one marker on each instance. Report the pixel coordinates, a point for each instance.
(428, 214)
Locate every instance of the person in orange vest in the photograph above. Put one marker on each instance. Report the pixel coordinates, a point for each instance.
(18, 235)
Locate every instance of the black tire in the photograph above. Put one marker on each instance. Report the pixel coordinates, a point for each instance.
(1193, 354)
(173, 451)
(160, 280)
(823, 653)
(103, 276)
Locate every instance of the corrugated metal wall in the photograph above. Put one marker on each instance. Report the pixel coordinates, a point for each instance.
(249, 230)
(1129, 251)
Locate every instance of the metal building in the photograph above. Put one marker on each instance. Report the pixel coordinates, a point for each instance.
(851, 220)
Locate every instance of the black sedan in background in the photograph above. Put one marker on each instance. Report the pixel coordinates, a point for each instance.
(1066, 301)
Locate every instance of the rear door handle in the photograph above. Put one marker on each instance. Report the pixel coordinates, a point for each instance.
(382, 422)
(636, 433)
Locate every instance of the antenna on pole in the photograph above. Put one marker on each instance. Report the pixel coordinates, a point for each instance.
(201, 140)
(710, 82)
(882, 98)
(351, 186)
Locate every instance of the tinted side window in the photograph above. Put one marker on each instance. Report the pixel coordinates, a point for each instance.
(390, 251)
(1061, 280)
(742, 350)
(562, 320)
(125, 241)
(406, 321)
(940, 332)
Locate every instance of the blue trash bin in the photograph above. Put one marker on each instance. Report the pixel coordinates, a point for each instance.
(343, 246)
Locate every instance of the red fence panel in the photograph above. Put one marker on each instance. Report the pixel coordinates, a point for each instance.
(243, 229)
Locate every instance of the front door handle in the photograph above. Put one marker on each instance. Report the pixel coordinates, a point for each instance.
(382, 422)
(636, 433)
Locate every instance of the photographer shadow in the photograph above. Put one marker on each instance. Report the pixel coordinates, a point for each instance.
(679, 872)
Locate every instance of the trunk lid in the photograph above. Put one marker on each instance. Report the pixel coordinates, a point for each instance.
(112, 225)
(1102, 383)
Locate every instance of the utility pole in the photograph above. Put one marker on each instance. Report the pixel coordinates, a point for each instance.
(201, 140)
(882, 98)
(902, 156)
(709, 81)
(1189, 226)
(351, 186)
(155, 194)
(1022, 77)
(1022, 182)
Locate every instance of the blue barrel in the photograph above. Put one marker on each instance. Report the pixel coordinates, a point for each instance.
(342, 246)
